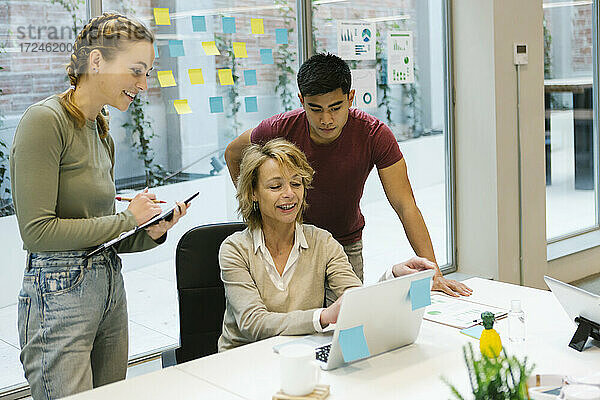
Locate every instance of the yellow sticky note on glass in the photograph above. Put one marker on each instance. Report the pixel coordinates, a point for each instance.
(225, 77)
(257, 26)
(161, 16)
(166, 78)
(196, 77)
(239, 49)
(210, 48)
(182, 106)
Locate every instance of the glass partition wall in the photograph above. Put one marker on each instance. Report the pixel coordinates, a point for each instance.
(396, 50)
(571, 136)
(221, 67)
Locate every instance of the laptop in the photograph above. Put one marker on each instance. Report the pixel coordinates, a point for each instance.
(575, 301)
(385, 312)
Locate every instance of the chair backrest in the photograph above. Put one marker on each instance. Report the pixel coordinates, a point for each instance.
(200, 289)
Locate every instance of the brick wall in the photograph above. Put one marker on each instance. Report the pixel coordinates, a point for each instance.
(582, 38)
(31, 75)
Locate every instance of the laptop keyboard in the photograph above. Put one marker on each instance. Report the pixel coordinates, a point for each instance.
(322, 353)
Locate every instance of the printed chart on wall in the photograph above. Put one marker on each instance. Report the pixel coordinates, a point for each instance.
(400, 58)
(458, 312)
(356, 40)
(364, 83)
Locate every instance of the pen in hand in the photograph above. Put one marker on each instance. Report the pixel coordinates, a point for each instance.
(119, 198)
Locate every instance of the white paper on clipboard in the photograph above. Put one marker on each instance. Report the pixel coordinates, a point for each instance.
(458, 312)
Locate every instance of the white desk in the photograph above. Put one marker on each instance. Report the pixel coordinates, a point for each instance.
(169, 383)
(414, 371)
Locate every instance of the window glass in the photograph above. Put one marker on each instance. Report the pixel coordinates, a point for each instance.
(396, 51)
(570, 137)
(173, 137)
(36, 40)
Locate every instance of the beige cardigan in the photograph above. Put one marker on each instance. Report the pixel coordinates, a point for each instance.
(255, 309)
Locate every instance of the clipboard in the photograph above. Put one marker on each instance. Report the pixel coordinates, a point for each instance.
(164, 216)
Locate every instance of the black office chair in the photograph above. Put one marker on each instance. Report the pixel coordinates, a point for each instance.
(200, 291)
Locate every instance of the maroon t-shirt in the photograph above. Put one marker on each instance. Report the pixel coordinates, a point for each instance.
(341, 167)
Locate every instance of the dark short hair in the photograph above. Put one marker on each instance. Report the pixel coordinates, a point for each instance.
(324, 73)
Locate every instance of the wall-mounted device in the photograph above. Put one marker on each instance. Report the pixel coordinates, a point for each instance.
(520, 53)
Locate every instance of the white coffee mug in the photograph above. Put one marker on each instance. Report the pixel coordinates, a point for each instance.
(299, 370)
(579, 392)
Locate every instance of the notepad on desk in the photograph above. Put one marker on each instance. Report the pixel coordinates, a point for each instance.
(458, 312)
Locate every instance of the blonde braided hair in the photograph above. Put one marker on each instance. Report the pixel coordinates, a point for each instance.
(106, 33)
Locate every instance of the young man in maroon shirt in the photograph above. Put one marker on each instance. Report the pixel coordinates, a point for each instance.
(343, 144)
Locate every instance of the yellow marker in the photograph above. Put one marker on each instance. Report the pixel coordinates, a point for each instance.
(161, 16)
(225, 77)
(166, 78)
(257, 26)
(182, 106)
(239, 49)
(196, 77)
(210, 48)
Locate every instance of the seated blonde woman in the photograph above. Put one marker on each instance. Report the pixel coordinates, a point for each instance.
(275, 270)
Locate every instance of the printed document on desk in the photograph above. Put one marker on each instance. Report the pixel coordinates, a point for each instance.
(458, 312)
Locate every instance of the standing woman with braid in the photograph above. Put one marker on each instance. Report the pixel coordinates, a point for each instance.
(72, 310)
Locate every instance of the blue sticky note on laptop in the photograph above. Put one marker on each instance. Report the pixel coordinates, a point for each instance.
(228, 24)
(281, 36)
(176, 48)
(250, 77)
(216, 104)
(251, 104)
(266, 56)
(353, 343)
(198, 23)
(420, 293)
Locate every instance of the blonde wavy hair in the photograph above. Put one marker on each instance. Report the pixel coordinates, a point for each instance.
(287, 156)
(107, 33)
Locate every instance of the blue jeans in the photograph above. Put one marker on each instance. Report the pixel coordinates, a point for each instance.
(72, 322)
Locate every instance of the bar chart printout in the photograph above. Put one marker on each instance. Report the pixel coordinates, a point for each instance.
(400, 58)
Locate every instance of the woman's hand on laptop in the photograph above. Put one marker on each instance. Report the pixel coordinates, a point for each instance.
(412, 265)
(330, 314)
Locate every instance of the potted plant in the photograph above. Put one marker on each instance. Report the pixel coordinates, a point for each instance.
(285, 59)
(495, 378)
(140, 129)
(6, 206)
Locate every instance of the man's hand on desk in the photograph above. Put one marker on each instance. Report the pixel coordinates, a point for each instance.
(448, 286)
(451, 287)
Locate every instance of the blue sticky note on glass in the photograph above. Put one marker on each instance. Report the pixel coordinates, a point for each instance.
(216, 104)
(420, 293)
(281, 36)
(266, 56)
(155, 50)
(228, 24)
(198, 23)
(474, 331)
(250, 77)
(251, 104)
(176, 48)
(353, 343)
